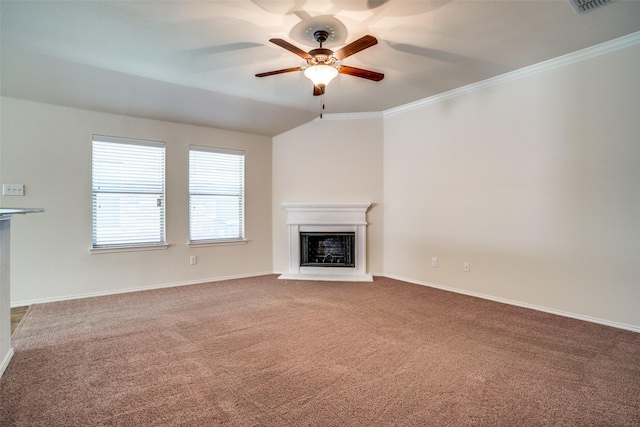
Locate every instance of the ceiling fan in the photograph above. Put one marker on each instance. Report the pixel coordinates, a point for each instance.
(324, 63)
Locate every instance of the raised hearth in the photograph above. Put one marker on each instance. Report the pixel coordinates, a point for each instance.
(327, 241)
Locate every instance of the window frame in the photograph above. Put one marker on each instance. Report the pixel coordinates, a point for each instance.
(128, 246)
(241, 239)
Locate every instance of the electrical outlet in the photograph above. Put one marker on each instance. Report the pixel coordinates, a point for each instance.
(467, 268)
(12, 189)
(434, 262)
(193, 260)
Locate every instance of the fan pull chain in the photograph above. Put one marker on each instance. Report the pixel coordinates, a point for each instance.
(322, 102)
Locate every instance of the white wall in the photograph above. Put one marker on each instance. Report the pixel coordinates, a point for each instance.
(48, 149)
(329, 161)
(535, 182)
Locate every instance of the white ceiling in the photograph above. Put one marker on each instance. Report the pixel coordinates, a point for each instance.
(195, 61)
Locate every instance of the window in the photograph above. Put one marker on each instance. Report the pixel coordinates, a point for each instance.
(128, 193)
(216, 195)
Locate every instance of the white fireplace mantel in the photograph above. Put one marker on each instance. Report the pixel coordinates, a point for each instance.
(327, 217)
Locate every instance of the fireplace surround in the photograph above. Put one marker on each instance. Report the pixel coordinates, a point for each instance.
(338, 234)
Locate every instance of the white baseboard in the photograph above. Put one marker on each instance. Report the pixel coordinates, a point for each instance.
(391, 276)
(136, 289)
(5, 361)
(520, 304)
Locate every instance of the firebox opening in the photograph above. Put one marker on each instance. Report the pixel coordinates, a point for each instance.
(327, 249)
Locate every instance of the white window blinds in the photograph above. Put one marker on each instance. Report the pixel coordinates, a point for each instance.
(216, 194)
(128, 192)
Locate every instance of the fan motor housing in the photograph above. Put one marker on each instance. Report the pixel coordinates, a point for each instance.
(321, 56)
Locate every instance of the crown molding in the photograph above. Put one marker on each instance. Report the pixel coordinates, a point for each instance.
(561, 61)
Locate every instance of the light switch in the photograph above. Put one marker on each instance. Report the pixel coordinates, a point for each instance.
(12, 189)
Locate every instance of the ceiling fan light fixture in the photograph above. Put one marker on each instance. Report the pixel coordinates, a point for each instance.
(321, 75)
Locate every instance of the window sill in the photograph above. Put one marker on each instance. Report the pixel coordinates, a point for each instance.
(114, 249)
(216, 243)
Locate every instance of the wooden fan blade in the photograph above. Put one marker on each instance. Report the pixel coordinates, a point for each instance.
(317, 91)
(286, 70)
(359, 72)
(291, 48)
(355, 47)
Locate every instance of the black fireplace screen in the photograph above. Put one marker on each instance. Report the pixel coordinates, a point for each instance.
(327, 249)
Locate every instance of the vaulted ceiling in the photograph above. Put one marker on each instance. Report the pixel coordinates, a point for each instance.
(195, 61)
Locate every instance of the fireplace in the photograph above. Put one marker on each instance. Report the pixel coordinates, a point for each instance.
(327, 249)
(327, 241)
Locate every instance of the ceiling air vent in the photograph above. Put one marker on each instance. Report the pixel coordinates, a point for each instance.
(584, 6)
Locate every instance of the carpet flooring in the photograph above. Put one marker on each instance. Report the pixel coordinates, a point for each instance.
(268, 352)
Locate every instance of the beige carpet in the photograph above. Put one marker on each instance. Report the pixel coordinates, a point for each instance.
(270, 352)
